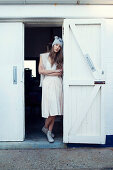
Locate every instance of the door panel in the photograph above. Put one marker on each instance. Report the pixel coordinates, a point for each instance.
(12, 93)
(83, 116)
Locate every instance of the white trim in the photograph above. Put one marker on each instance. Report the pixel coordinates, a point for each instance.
(65, 86)
(38, 22)
(84, 139)
(43, 2)
(22, 81)
(63, 2)
(55, 11)
(103, 132)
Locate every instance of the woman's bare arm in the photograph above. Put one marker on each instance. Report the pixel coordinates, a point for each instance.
(55, 74)
(58, 72)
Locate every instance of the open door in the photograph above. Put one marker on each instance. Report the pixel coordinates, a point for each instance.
(83, 81)
(12, 82)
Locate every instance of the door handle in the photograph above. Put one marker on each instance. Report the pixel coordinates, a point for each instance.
(14, 74)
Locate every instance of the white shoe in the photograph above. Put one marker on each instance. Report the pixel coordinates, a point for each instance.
(45, 130)
(49, 137)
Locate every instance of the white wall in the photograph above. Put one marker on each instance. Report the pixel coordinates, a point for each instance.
(108, 63)
(55, 11)
(24, 12)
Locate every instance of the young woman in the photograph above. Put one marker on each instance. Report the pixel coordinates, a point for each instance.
(51, 68)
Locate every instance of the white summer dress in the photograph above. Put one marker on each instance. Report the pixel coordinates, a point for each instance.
(52, 92)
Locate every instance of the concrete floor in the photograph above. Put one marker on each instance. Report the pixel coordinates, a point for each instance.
(57, 159)
(35, 138)
(28, 155)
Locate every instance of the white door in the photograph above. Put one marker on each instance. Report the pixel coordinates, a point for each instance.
(11, 82)
(83, 81)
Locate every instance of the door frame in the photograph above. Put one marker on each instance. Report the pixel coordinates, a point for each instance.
(50, 22)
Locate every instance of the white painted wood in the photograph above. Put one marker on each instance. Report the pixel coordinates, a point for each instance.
(65, 85)
(73, 2)
(107, 53)
(12, 95)
(83, 109)
(51, 1)
(12, 1)
(34, 13)
(43, 15)
(83, 50)
(83, 82)
(85, 105)
(84, 139)
(83, 2)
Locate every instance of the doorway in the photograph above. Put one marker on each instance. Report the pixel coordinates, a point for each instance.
(38, 40)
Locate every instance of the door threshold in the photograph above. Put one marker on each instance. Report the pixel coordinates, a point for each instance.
(33, 144)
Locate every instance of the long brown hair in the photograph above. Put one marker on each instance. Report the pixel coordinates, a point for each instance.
(56, 57)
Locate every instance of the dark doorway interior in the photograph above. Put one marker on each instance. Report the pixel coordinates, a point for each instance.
(37, 40)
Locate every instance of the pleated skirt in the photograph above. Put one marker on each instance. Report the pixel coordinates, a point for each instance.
(52, 96)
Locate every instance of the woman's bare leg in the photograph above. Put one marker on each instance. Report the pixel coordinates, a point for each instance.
(48, 121)
(51, 123)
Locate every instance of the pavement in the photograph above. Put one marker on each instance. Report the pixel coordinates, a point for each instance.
(57, 159)
(35, 153)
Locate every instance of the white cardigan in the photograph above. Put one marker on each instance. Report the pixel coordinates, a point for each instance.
(44, 60)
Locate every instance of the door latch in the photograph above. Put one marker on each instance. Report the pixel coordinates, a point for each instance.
(99, 82)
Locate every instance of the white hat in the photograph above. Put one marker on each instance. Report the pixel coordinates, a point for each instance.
(57, 40)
